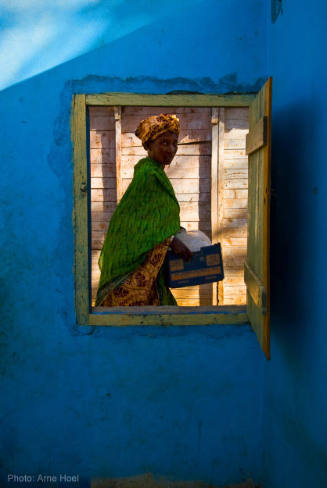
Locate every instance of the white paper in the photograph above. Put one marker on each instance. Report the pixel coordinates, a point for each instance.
(193, 239)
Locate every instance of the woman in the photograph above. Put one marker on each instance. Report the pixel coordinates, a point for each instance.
(143, 225)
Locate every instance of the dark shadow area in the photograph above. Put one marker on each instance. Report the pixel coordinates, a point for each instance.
(294, 225)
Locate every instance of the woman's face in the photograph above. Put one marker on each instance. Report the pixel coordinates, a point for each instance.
(163, 148)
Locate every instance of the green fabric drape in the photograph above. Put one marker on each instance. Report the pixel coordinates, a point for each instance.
(147, 214)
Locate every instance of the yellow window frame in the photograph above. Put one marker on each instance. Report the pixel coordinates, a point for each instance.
(125, 316)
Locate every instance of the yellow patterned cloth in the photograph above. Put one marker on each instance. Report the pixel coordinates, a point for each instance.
(152, 127)
(140, 287)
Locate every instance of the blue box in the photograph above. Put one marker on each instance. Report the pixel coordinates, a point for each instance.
(206, 266)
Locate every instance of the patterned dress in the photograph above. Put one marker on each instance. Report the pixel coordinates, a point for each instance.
(140, 287)
(133, 253)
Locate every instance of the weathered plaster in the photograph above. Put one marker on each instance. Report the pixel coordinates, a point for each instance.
(295, 399)
(178, 402)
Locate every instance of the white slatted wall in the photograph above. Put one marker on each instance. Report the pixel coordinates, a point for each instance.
(235, 204)
(189, 174)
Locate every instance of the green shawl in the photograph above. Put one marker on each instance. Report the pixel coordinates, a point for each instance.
(147, 214)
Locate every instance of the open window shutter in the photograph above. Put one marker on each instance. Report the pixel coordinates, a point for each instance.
(256, 269)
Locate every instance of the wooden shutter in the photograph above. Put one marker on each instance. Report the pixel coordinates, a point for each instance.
(256, 269)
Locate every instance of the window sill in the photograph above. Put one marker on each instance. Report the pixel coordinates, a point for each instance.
(168, 315)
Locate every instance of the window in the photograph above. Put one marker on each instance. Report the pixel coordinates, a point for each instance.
(213, 129)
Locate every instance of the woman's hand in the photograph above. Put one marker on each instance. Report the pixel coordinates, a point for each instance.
(180, 249)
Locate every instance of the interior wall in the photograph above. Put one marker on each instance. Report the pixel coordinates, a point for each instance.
(180, 402)
(295, 402)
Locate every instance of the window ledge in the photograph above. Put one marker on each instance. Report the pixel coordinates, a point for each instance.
(168, 315)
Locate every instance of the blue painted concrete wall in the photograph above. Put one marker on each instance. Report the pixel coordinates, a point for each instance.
(295, 401)
(184, 403)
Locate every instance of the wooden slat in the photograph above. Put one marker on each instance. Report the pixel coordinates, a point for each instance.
(190, 161)
(119, 177)
(255, 288)
(167, 315)
(99, 170)
(201, 149)
(187, 121)
(235, 132)
(137, 151)
(103, 195)
(100, 207)
(100, 226)
(193, 291)
(102, 139)
(235, 223)
(214, 189)
(193, 197)
(137, 99)
(185, 185)
(235, 203)
(103, 156)
(236, 143)
(259, 204)
(235, 174)
(78, 134)
(234, 257)
(103, 183)
(236, 213)
(103, 217)
(221, 179)
(214, 176)
(233, 276)
(194, 211)
(200, 169)
(235, 194)
(257, 137)
(238, 114)
(204, 226)
(194, 302)
(234, 290)
(235, 300)
(97, 239)
(144, 112)
(234, 154)
(236, 184)
(236, 232)
(235, 241)
(101, 118)
(237, 163)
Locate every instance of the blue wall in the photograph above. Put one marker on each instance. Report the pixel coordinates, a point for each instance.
(295, 400)
(184, 403)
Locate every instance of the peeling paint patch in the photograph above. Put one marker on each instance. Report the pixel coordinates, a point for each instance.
(228, 83)
(276, 9)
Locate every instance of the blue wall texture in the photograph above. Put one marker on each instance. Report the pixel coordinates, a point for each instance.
(182, 402)
(295, 396)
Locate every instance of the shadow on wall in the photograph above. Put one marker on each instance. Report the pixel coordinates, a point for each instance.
(134, 38)
(293, 218)
(83, 25)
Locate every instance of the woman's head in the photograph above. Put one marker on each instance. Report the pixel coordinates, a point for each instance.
(159, 136)
(163, 148)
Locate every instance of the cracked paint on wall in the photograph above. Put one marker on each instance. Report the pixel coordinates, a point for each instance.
(276, 9)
